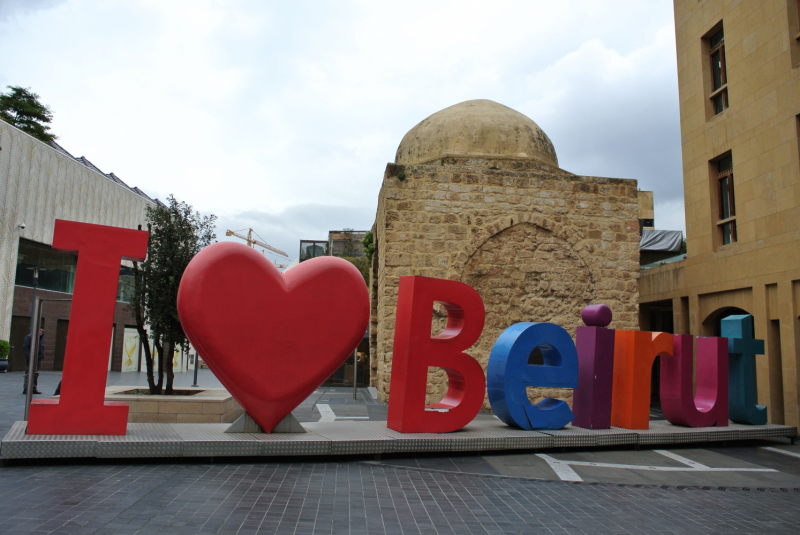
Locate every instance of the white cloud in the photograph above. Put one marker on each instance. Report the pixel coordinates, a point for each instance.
(284, 115)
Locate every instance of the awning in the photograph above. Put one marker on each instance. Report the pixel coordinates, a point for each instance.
(668, 241)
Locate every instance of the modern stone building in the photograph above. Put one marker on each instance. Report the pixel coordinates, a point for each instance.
(40, 183)
(739, 88)
(476, 194)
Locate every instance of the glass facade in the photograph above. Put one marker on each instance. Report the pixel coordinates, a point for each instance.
(57, 270)
(312, 249)
(126, 284)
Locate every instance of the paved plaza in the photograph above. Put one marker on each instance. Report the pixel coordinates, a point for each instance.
(741, 487)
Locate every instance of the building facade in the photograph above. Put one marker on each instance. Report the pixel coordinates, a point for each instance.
(739, 89)
(40, 183)
(476, 195)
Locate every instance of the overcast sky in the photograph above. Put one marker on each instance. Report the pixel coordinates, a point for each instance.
(281, 116)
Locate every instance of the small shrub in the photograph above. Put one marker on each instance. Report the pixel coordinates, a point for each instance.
(401, 176)
(5, 348)
(369, 245)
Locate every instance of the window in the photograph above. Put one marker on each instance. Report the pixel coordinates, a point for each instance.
(793, 14)
(312, 249)
(56, 270)
(126, 285)
(727, 203)
(719, 77)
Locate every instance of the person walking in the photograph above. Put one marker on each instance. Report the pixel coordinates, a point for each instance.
(26, 350)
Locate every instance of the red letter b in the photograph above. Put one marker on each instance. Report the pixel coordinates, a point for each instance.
(415, 351)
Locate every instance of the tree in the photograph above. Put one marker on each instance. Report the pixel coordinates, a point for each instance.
(21, 108)
(177, 234)
(369, 245)
(362, 264)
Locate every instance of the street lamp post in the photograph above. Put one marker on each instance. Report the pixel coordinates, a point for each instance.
(36, 315)
(196, 365)
(33, 298)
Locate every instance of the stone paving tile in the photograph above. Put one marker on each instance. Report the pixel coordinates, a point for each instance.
(362, 498)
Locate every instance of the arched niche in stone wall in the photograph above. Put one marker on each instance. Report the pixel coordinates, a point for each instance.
(528, 273)
(712, 323)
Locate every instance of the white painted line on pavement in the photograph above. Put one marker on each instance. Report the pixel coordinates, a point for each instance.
(327, 414)
(776, 450)
(561, 468)
(681, 459)
(564, 467)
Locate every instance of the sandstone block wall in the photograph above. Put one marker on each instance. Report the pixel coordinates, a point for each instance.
(538, 244)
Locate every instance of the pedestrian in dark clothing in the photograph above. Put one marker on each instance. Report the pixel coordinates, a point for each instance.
(26, 350)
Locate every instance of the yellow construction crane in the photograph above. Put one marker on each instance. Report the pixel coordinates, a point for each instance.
(251, 241)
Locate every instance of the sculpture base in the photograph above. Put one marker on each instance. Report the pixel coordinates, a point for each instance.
(355, 438)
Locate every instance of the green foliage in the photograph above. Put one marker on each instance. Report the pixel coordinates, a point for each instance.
(21, 107)
(683, 246)
(350, 242)
(401, 176)
(362, 263)
(5, 347)
(177, 234)
(369, 245)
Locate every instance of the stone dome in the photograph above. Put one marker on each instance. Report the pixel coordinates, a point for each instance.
(476, 128)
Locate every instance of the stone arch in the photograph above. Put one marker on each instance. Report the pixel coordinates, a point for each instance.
(526, 272)
(570, 235)
(711, 323)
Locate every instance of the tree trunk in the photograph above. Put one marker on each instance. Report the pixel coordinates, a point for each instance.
(169, 353)
(148, 359)
(138, 312)
(160, 348)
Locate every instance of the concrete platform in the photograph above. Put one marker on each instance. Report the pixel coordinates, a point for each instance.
(353, 438)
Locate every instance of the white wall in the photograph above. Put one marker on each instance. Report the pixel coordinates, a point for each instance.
(38, 185)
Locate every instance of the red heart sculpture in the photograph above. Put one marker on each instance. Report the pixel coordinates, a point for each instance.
(271, 338)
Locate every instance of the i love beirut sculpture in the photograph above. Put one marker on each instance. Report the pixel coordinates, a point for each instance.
(272, 338)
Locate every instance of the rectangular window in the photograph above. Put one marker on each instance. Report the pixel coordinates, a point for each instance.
(727, 202)
(719, 76)
(793, 15)
(126, 285)
(312, 249)
(56, 270)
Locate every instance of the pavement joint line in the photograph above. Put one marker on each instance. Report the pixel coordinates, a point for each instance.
(777, 450)
(593, 483)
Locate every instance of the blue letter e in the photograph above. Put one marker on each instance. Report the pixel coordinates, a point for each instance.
(513, 367)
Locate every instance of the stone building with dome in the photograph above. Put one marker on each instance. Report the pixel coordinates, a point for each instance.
(476, 195)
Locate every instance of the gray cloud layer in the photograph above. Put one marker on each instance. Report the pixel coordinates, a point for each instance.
(283, 116)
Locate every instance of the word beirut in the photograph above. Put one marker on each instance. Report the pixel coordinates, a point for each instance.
(318, 313)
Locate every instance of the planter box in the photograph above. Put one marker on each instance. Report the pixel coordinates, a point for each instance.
(204, 405)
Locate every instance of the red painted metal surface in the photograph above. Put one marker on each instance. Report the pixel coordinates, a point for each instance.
(81, 410)
(271, 338)
(634, 353)
(415, 351)
(709, 406)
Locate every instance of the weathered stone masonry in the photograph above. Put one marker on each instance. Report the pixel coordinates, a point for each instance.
(537, 242)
